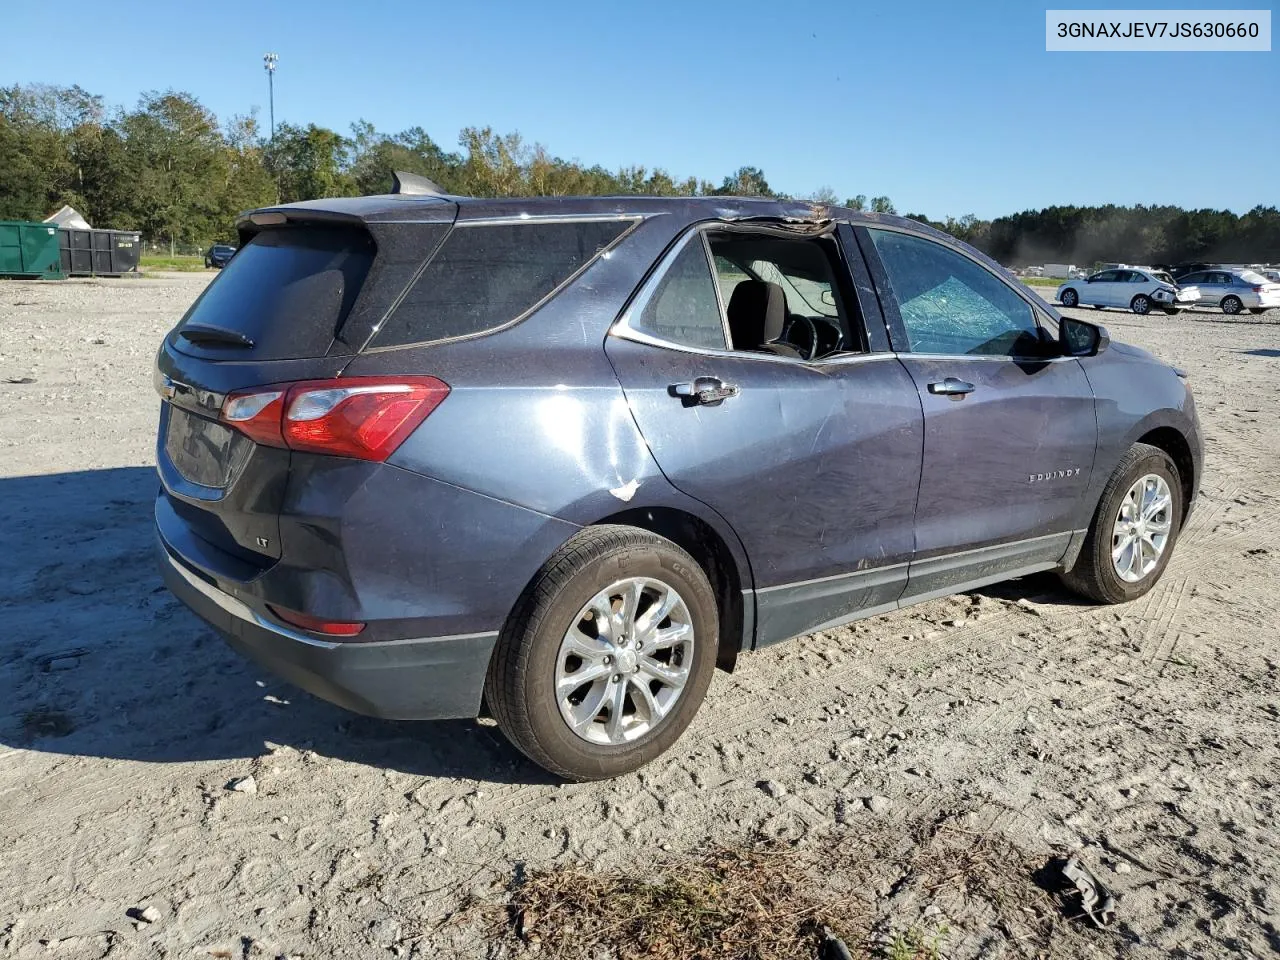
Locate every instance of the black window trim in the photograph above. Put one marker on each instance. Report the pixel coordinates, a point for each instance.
(635, 221)
(893, 315)
(623, 328)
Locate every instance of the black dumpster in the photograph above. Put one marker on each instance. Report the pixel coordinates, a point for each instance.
(99, 253)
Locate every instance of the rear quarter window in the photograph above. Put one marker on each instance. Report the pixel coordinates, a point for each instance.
(287, 291)
(486, 275)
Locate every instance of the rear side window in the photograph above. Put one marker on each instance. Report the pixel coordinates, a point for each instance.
(287, 292)
(487, 275)
(683, 307)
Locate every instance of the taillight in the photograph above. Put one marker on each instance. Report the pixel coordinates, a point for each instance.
(333, 628)
(1257, 289)
(366, 418)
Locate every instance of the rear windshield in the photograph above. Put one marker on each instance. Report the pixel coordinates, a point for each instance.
(485, 276)
(1248, 276)
(287, 292)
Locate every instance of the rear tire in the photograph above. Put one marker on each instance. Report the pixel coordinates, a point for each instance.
(1231, 305)
(1141, 304)
(1095, 573)
(1070, 298)
(534, 661)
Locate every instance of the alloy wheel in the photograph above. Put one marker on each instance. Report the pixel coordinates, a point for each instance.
(1142, 528)
(624, 662)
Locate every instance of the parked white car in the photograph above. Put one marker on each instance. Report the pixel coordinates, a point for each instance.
(1138, 290)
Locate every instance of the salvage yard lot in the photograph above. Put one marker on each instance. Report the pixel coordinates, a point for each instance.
(926, 761)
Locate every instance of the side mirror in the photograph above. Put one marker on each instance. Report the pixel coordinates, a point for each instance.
(828, 297)
(1079, 338)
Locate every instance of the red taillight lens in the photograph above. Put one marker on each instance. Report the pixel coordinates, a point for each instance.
(1257, 289)
(333, 628)
(362, 417)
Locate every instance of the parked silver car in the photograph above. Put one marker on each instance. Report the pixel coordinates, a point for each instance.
(1233, 290)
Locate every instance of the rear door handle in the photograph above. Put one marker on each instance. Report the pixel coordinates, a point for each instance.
(707, 391)
(951, 387)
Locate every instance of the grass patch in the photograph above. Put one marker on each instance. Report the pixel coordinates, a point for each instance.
(191, 264)
(885, 899)
(1043, 281)
(730, 903)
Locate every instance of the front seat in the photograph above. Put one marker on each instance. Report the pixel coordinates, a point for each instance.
(757, 312)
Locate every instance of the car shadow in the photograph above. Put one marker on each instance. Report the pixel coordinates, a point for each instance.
(1042, 588)
(1263, 352)
(97, 658)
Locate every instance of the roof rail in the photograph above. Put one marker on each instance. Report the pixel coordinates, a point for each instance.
(412, 183)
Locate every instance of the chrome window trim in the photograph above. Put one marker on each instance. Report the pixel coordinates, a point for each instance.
(1008, 358)
(546, 218)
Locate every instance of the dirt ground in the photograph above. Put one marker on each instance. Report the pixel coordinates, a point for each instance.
(1143, 735)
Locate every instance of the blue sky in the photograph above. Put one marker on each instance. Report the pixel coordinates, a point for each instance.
(948, 108)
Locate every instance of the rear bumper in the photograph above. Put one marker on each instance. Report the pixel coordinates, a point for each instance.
(432, 678)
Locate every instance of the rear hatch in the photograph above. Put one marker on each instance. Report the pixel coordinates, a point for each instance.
(302, 295)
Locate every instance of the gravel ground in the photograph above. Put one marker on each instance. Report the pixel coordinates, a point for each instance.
(1145, 735)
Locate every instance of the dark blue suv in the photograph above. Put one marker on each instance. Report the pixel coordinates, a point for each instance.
(558, 458)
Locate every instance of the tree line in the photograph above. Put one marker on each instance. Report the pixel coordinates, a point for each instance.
(172, 170)
(1112, 234)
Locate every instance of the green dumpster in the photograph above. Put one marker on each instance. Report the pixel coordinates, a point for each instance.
(29, 250)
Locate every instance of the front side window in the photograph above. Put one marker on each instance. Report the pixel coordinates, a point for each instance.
(683, 307)
(951, 305)
(782, 294)
(1106, 276)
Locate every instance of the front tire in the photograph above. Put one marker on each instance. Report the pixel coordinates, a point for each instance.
(1133, 531)
(1141, 304)
(1070, 298)
(633, 620)
(1231, 305)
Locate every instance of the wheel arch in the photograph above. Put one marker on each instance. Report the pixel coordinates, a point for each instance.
(1172, 441)
(718, 560)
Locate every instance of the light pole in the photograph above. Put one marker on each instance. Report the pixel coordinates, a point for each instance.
(269, 64)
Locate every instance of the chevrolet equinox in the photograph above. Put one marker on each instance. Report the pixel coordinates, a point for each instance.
(559, 458)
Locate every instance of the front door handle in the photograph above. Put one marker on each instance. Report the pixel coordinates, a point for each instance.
(951, 387)
(707, 391)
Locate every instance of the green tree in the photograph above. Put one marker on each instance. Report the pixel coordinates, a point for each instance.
(310, 162)
(747, 182)
(176, 149)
